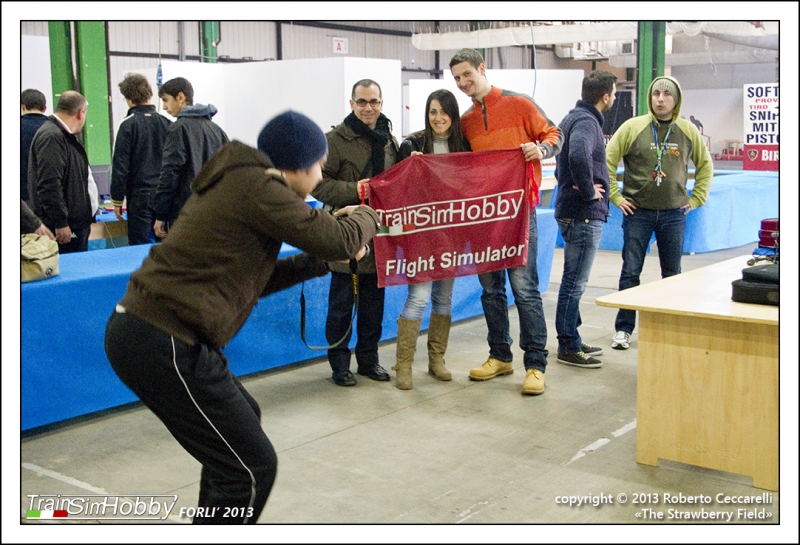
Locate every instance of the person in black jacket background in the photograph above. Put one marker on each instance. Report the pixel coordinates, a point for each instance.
(58, 175)
(581, 209)
(33, 105)
(136, 165)
(190, 142)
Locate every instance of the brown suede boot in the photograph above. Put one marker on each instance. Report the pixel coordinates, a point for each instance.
(438, 334)
(407, 333)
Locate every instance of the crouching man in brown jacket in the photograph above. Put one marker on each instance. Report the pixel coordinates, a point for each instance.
(195, 290)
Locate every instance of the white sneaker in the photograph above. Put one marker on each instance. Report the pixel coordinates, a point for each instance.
(621, 340)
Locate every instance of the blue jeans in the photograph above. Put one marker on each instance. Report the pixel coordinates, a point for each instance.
(669, 227)
(439, 292)
(532, 327)
(581, 239)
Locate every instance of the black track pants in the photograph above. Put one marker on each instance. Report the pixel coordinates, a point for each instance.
(208, 411)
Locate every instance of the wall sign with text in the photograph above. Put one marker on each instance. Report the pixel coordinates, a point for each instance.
(761, 127)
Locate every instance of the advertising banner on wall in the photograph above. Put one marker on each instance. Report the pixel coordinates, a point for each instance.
(761, 126)
(452, 214)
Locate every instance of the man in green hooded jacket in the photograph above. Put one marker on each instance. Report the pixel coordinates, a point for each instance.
(656, 149)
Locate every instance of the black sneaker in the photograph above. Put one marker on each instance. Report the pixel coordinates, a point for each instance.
(591, 350)
(579, 359)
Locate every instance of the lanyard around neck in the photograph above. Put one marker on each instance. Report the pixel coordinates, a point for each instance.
(660, 150)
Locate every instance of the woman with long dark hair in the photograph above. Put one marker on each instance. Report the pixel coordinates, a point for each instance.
(442, 134)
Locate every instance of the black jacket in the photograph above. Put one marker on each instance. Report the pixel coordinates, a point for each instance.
(138, 148)
(416, 142)
(30, 123)
(58, 174)
(190, 142)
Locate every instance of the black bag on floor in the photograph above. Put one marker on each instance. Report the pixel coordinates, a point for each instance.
(759, 285)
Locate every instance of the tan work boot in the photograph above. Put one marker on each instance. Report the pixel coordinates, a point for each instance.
(533, 383)
(438, 334)
(407, 333)
(491, 368)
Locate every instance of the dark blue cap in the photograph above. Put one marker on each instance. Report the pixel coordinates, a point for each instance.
(292, 141)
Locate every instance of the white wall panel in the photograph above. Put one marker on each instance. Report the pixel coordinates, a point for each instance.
(256, 39)
(556, 91)
(191, 37)
(247, 96)
(143, 37)
(35, 59)
(34, 28)
(302, 42)
(404, 26)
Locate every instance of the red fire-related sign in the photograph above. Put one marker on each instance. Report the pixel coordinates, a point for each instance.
(449, 215)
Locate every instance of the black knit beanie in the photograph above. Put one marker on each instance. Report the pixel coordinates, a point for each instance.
(292, 141)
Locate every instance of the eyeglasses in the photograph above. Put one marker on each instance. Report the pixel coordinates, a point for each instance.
(361, 103)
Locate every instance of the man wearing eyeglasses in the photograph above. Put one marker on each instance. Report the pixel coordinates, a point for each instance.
(360, 147)
(58, 175)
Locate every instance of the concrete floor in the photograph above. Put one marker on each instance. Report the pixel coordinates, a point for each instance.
(444, 453)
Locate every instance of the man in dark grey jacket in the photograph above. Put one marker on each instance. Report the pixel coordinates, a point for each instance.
(190, 142)
(361, 147)
(58, 175)
(581, 209)
(195, 291)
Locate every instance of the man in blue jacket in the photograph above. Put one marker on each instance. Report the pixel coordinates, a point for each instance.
(581, 209)
(191, 140)
(33, 105)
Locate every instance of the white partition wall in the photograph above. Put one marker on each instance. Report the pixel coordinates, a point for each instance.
(35, 68)
(208, 81)
(388, 74)
(248, 95)
(555, 91)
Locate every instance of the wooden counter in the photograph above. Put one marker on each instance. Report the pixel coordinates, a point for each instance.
(707, 382)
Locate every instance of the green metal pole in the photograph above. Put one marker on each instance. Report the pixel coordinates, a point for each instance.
(60, 60)
(644, 65)
(651, 59)
(659, 47)
(93, 78)
(209, 37)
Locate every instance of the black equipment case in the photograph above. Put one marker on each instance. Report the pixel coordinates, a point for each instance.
(759, 284)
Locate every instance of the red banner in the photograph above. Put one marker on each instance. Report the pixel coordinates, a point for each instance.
(451, 214)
